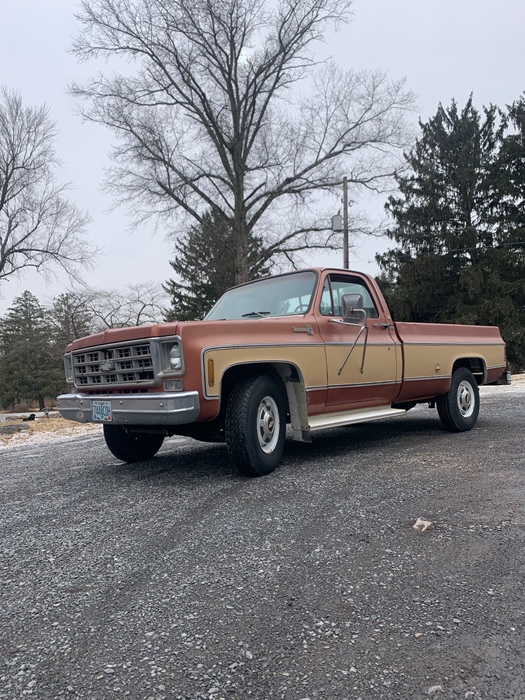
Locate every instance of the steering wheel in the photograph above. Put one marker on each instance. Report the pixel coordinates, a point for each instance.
(301, 308)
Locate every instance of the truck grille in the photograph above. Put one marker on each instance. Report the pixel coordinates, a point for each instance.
(121, 364)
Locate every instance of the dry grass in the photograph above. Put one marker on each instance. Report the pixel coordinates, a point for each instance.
(51, 424)
(45, 428)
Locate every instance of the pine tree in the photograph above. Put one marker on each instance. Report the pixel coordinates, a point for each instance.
(460, 253)
(205, 265)
(29, 368)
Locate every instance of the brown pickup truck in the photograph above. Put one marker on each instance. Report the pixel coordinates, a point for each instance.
(315, 348)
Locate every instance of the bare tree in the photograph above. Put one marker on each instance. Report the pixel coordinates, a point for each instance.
(138, 304)
(84, 311)
(69, 317)
(216, 114)
(39, 227)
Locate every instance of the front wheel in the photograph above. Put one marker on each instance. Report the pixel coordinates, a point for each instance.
(131, 447)
(256, 425)
(458, 409)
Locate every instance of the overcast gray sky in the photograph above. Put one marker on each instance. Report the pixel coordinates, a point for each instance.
(445, 48)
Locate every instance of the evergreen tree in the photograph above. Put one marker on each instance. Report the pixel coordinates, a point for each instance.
(459, 225)
(511, 169)
(29, 368)
(205, 266)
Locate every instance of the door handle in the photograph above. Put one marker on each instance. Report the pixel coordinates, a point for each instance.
(385, 326)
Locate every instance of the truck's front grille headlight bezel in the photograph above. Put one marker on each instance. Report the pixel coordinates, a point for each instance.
(171, 356)
(68, 368)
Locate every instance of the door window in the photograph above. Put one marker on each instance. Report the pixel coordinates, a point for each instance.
(336, 286)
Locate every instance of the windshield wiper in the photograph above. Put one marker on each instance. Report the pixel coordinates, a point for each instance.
(256, 313)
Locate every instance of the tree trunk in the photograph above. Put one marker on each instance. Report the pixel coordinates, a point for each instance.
(240, 235)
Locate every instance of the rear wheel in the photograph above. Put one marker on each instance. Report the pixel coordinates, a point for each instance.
(131, 447)
(458, 409)
(256, 425)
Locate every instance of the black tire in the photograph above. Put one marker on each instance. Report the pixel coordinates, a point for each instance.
(256, 425)
(131, 447)
(458, 409)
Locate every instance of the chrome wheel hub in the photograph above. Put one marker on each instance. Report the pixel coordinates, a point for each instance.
(466, 399)
(268, 424)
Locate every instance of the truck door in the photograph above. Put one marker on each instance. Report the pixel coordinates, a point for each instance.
(371, 374)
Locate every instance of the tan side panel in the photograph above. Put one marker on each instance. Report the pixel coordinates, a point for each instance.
(309, 358)
(380, 364)
(422, 360)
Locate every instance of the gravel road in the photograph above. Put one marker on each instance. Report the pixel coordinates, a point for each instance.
(177, 578)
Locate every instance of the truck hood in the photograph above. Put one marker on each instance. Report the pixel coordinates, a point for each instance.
(123, 335)
(197, 331)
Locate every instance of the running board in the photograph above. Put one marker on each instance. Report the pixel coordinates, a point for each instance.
(332, 420)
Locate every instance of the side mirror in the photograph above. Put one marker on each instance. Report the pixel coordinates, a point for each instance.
(352, 309)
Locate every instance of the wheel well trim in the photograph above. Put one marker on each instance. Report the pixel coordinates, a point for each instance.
(468, 362)
(275, 365)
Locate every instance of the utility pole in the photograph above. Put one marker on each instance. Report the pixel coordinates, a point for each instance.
(340, 223)
(345, 222)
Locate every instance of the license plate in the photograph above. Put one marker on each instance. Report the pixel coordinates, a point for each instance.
(102, 411)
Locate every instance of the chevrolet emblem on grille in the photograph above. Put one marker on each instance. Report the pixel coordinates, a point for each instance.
(107, 366)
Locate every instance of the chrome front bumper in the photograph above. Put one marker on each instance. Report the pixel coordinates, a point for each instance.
(134, 409)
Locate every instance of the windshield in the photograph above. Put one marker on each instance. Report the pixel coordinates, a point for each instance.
(275, 296)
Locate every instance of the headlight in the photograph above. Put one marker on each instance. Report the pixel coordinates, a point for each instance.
(175, 358)
(171, 355)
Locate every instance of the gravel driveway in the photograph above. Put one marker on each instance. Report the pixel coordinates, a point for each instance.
(179, 579)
